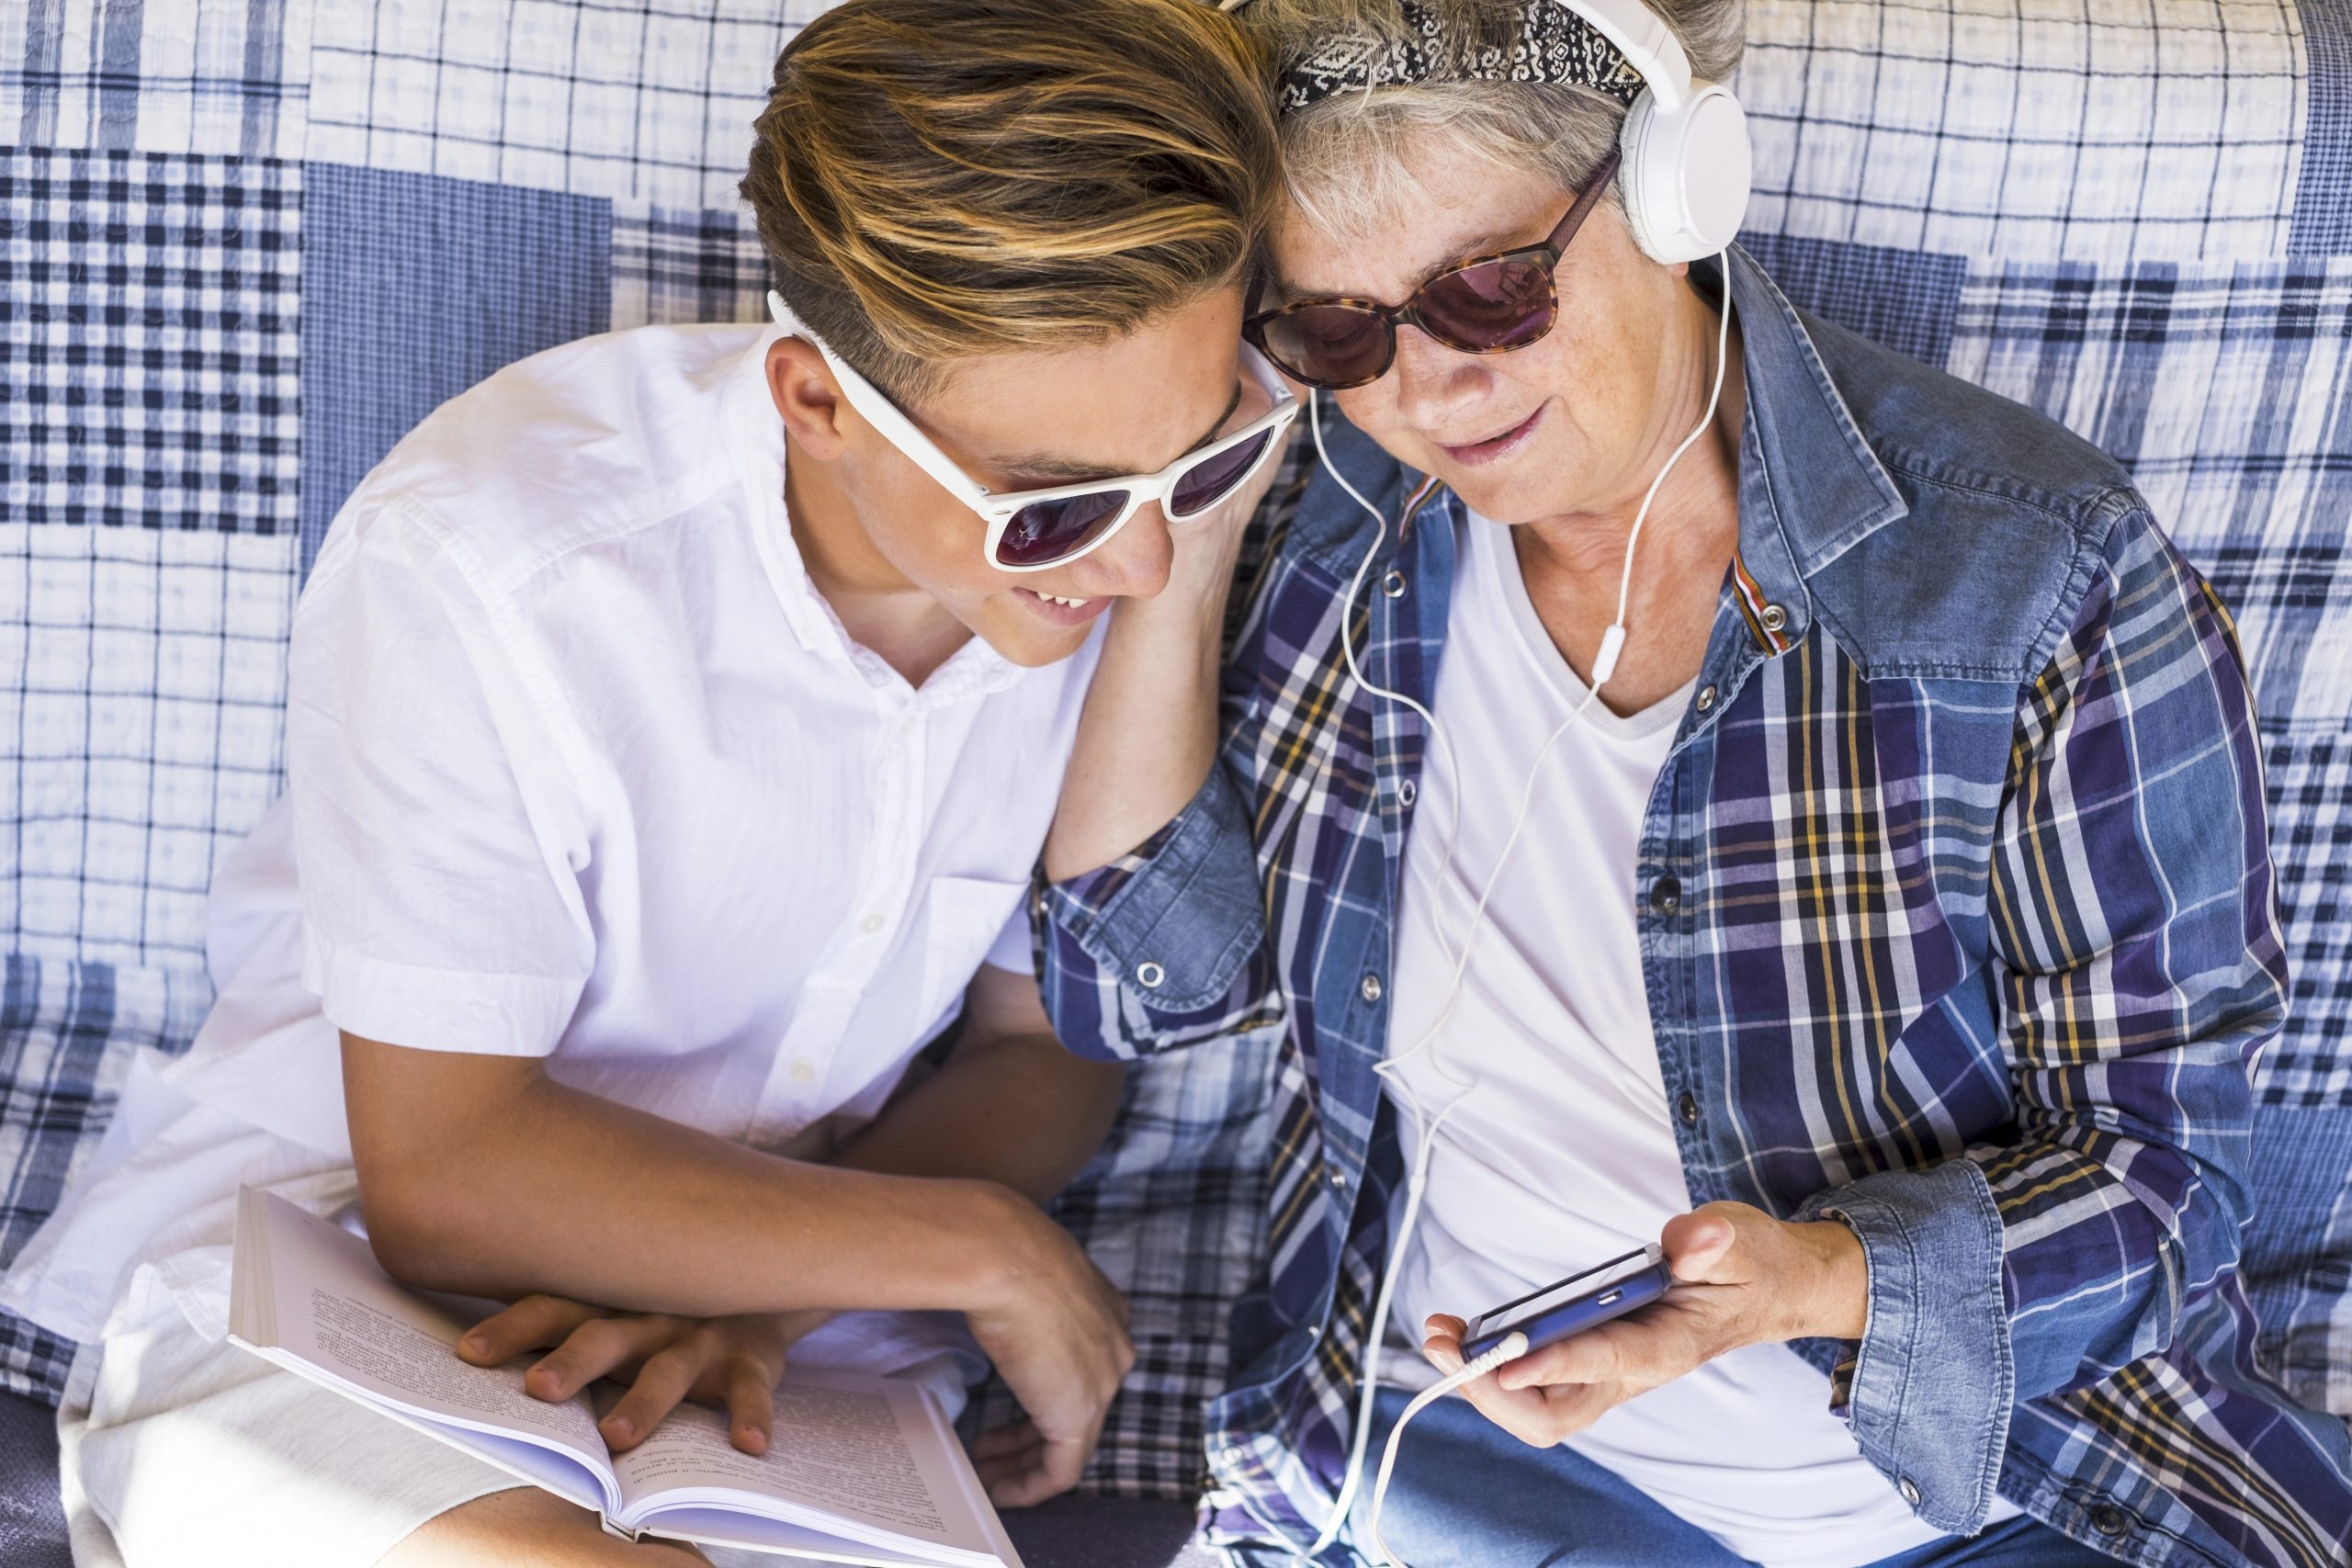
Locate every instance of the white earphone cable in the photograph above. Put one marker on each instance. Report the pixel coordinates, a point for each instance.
(1604, 665)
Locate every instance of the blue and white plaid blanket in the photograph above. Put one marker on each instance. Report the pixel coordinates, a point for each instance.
(245, 245)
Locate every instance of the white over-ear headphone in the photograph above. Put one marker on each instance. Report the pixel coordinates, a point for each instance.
(1685, 164)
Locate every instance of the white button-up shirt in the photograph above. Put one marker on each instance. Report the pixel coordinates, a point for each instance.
(583, 767)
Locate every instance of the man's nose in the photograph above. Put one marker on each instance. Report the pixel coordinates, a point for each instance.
(1133, 563)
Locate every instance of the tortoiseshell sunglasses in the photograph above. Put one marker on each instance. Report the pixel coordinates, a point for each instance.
(1485, 305)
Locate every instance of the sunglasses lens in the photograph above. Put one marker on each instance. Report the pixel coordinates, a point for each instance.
(1210, 481)
(1055, 530)
(1496, 305)
(1328, 345)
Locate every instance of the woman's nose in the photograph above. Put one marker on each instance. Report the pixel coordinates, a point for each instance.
(1435, 382)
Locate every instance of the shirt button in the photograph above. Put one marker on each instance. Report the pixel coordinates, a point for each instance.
(1910, 1492)
(2109, 1520)
(1370, 989)
(1407, 794)
(1393, 584)
(1150, 976)
(1687, 1107)
(1665, 895)
(871, 923)
(1706, 698)
(802, 1072)
(1772, 617)
(1231, 1455)
(1339, 1181)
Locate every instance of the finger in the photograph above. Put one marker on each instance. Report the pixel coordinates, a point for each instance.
(751, 1406)
(1574, 1407)
(595, 1350)
(1444, 1352)
(1585, 1358)
(661, 1383)
(535, 1323)
(1054, 1468)
(1648, 1348)
(1010, 1439)
(1698, 1244)
(1523, 1413)
(1004, 1471)
(1010, 1479)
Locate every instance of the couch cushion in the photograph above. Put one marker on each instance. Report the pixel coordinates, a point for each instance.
(32, 1526)
(2133, 221)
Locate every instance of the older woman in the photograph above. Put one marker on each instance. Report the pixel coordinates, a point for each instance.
(1678, 754)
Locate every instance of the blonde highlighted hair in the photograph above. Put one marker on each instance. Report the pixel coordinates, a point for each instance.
(934, 179)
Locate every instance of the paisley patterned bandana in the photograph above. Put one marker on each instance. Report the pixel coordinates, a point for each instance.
(1553, 44)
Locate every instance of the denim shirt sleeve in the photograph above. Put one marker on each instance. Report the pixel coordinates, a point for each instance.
(1165, 946)
(2140, 965)
(1929, 1388)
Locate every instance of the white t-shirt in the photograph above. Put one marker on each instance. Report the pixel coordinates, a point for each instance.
(1563, 1156)
(584, 767)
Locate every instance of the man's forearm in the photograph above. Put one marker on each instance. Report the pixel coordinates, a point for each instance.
(544, 1188)
(1149, 733)
(1016, 1110)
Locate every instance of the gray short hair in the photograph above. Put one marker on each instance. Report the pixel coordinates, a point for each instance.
(1345, 163)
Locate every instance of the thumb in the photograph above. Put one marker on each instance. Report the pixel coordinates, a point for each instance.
(1697, 1244)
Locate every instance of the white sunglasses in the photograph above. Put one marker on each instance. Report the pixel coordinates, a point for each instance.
(1035, 530)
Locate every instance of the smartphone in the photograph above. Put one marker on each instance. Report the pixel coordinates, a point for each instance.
(1573, 1304)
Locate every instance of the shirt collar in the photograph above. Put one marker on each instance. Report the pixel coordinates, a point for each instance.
(1810, 487)
(974, 670)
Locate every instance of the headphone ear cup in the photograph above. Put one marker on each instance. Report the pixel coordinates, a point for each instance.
(1686, 175)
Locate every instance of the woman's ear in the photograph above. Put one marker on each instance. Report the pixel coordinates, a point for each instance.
(806, 398)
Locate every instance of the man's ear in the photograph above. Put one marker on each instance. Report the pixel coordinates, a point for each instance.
(806, 398)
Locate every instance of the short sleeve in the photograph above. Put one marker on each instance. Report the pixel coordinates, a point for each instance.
(436, 828)
(1015, 947)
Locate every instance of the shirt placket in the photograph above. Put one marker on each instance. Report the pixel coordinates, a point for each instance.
(795, 1093)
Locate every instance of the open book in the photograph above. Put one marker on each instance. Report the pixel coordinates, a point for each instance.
(860, 1469)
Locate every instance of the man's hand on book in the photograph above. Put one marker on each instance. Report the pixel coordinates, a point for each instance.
(1057, 1332)
(733, 1363)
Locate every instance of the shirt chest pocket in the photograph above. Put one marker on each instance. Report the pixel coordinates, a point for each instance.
(963, 917)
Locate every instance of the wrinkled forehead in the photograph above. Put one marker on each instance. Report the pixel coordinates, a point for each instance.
(1375, 216)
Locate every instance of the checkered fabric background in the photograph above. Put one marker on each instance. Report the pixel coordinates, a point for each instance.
(245, 244)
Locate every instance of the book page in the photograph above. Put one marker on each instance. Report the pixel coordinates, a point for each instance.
(848, 1451)
(310, 1293)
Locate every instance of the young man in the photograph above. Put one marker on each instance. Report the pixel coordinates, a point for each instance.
(669, 748)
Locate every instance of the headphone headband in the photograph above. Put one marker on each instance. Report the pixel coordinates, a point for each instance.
(1687, 159)
(1551, 43)
(1615, 47)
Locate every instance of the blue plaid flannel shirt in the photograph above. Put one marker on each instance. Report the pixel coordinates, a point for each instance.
(1957, 922)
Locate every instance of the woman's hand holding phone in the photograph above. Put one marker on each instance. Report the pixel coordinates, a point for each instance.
(1741, 1278)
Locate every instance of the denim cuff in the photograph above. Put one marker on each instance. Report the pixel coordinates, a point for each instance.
(1175, 919)
(1934, 1378)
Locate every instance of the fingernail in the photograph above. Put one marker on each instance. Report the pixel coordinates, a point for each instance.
(475, 1342)
(622, 1431)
